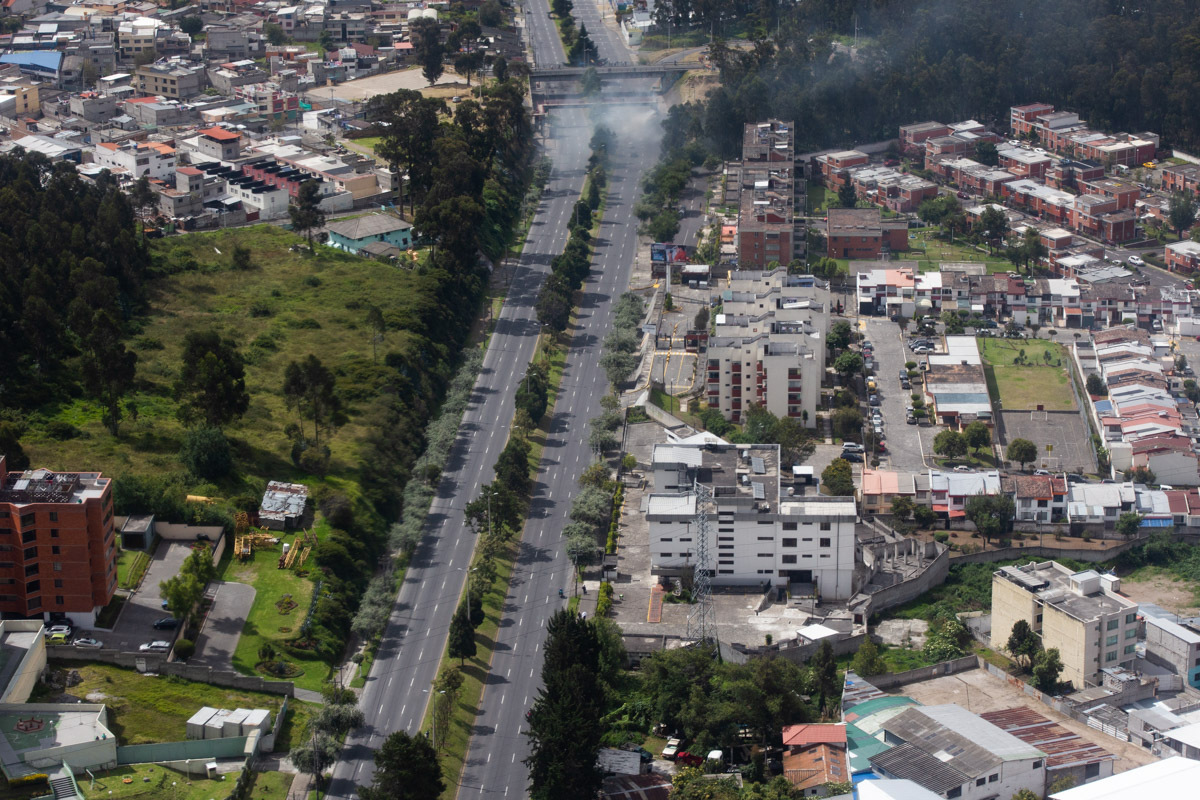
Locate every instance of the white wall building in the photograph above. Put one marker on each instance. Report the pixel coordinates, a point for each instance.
(138, 158)
(758, 534)
(1169, 778)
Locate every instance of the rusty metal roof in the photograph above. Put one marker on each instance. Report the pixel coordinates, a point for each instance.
(1063, 748)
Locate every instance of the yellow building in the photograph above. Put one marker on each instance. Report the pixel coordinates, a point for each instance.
(1082, 614)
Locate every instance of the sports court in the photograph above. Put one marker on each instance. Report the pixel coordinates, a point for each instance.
(1064, 431)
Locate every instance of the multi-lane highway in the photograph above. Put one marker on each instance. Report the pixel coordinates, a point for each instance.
(494, 766)
(397, 690)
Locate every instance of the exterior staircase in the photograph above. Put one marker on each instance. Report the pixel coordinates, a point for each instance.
(64, 788)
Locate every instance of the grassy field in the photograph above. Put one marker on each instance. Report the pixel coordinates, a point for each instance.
(930, 253)
(150, 781)
(1028, 385)
(143, 709)
(267, 621)
(287, 306)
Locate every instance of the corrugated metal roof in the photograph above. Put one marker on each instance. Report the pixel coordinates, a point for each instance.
(1062, 747)
(913, 763)
(801, 735)
(678, 454)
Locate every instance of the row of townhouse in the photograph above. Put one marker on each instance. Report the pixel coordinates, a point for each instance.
(768, 345)
(885, 186)
(1140, 419)
(1064, 133)
(1036, 498)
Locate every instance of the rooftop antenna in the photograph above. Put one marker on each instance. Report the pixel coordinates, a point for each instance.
(701, 626)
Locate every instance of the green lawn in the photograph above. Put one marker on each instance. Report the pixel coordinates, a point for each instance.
(818, 199)
(931, 252)
(1026, 386)
(153, 782)
(266, 621)
(143, 709)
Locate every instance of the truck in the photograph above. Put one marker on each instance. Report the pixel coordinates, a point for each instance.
(672, 749)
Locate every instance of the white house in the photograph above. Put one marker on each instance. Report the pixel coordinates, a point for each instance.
(154, 159)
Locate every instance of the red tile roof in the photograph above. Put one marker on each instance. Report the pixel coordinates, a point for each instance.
(189, 171)
(220, 134)
(802, 735)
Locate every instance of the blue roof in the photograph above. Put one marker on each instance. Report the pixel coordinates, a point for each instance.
(1103, 406)
(1156, 523)
(48, 60)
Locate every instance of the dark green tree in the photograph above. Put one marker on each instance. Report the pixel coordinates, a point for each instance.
(1023, 643)
(978, 435)
(1022, 451)
(848, 364)
(840, 336)
(10, 447)
(427, 44)
(950, 444)
(985, 153)
(311, 389)
(867, 661)
(410, 125)
(1047, 667)
(1181, 213)
(211, 387)
(1096, 385)
(462, 635)
(109, 369)
(823, 671)
(206, 453)
(191, 25)
(406, 768)
(992, 515)
(838, 479)
(305, 212)
(1129, 523)
(847, 195)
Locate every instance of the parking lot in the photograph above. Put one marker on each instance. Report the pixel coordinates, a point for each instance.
(907, 444)
(135, 625)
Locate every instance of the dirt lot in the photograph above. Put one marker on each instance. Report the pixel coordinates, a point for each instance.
(979, 691)
(411, 78)
(1174, 594)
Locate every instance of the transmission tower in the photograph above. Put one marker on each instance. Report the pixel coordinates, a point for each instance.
(701, 627)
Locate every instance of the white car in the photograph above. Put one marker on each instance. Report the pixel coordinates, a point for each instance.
(155, 646)
(1137, 261)
(963, 468)
(91, 644)
(852, 447)
(56, 629)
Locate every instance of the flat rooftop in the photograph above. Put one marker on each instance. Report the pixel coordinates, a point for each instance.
(28, 728)
(44, 486)
(1052, 583)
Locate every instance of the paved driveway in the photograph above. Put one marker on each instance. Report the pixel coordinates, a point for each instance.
(219, 636)
(907, 444)
(136, 623)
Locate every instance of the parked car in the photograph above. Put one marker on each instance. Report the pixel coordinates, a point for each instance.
(156, 646)
(1136, 261)
(881, 447)
(922, 365)
(963, 195)
(990, 324)
(58, 638)
(1041, 472)
(963, 468)
(851, 447)
(873, 399)
(878, 429)
(852, 457)
(57, 629)
(166, 624)
(691, 759)
(672, 749)
(910, 419)
(92, 644)
(905, 384)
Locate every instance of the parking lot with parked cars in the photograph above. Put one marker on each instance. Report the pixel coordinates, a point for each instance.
(889, 412)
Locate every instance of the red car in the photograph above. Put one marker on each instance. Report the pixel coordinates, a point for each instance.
(691, 759)
(882, 447)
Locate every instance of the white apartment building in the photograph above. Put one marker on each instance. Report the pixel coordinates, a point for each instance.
(759, 533)
(154, 159)
(1080, 613)
(768, 345)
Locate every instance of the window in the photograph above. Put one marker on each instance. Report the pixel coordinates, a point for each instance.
(825, 541)
(54, 533)
(58, 599)
(27, 520)
(28, 536)
(34, 602)
(955, 792)
(1037, 764)
(1112, 656)
(55, 550)
(664, 539)
(789, 559)
(766, 555)
(1131, 633)
(980, 781)
(724, 538)
(33, 586)
(54, 516)
(993, 777)
(32, 569)
(1130, 649)
(664, 555)
(58, 584)
(58, 566)
(789, 526)
(728, 563)
(826, 526)
(1113, 623)
(1130, 618)
(1111, 640)
(789, 542)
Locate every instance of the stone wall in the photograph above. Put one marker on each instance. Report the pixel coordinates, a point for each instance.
(157, 663)
(884, 682)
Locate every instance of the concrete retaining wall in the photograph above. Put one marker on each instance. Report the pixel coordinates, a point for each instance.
(175, 532)
(658, 415)
(892, 596)
(801, 653)
(964, 664)
(233, 747)
(1037, 551)
(157, 663)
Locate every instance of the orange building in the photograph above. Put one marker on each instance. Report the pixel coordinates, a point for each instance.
(58, 554)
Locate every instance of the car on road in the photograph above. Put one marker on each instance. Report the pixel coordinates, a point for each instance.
(1136, 261)
(158, 645)
(852, 457)
(88, 642)
(878, 430)
(873, 399)
(923, 365)
(910, 419)
(672, 748)
(852, 447)
(963, 195)
(166, 624)
(1041, 472)
(905, 384)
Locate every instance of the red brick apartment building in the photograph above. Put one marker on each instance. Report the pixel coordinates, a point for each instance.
(58, 553)
(862, 233)
(913, 136)
(1181, 178)
(1023, 118)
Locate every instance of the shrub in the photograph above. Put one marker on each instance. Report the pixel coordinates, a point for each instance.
(57, 429)
(941, 536)
(206, 453)
(184, 648)
(604, 600)
(260, 308)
